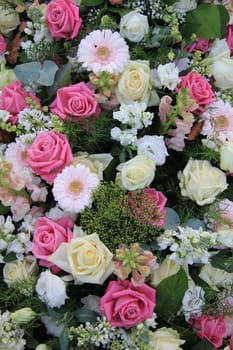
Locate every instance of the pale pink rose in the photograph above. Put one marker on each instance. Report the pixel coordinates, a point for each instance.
(148, 206)
(13, 99)
(199, 90)
(75, 102)
(210, 327)
(126, 305)
(164, 108)
(3, 45)
(19, 208)
(62, 18)
(202, 45)
(48, 235)
(48, 155)
(229, 37)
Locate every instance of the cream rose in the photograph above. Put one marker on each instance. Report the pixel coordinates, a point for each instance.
(86, 258)
(134, 26)
(9, 20)
(18, 271)
(135, 84)
(166, 339)
(137, 173)
(215, 277)
(167, 268)
(201, 182)
(96, 163)
(222, 66)
(226, 156)
(225, 237)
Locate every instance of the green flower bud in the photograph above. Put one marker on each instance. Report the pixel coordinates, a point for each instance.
(22, 316)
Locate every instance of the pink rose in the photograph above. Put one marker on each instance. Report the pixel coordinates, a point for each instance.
(229, 37)
(3, 45)
(75, 102)
(48, 235)
(126, 305)
(210, 327)
(62, 18)
(199, 90)
(202, 45)
(48, 155)
(13, 99)
(148, 206)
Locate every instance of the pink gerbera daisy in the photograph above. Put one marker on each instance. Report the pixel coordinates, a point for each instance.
(73, 188)
(103, 50)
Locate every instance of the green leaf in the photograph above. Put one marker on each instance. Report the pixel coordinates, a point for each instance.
(64, 339)
(169, 2)
(3, 209)
(85, 315)
(10, 257)
(91, 3)
(203, 345)
(207, 21)
(223, 260)
(119, 11)
(34, 72)
(169, 294)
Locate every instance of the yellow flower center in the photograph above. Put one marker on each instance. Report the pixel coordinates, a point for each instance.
(103, 52)
(75, 187)
(221, 122)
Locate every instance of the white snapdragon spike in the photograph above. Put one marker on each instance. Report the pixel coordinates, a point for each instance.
(51, 289)
(11, 334)
(193, 300)
(134, 115)
(188, 245)
(168, 75)
(153, 147)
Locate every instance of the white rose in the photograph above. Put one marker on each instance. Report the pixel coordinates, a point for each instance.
(137, 173)
(134, 26)
(51, 289)
(185, 5)
(9, 20)
(215, 277)
(168, 75)
(166, 339)
(86, 258)
(222, 66)
(226, 156)
(17, 271)
(135, 84)
(153, 147)
(201, 182)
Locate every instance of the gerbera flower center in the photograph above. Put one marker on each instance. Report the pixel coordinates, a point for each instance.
(103, 52)
(75, 187)
(221, 122)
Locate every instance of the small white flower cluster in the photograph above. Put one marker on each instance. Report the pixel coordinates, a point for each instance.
(34, 120)
(11, 335)
(41, 39)
(4, 116)
(133, 118)
(6, 230)
(188, 245)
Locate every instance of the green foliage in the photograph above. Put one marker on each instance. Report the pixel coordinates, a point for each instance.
(90, 136)
(110, 221)
(223, 260)
(207, 21)
(170, 293)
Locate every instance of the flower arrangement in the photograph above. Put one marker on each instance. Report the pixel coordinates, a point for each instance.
(116, 174)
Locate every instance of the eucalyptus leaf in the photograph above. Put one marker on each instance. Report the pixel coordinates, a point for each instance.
(195, 223)
(172, 219)
(62, 78)
(85, 315)
(207, 21)
(169, 294)
(64, 339)
(34, 72)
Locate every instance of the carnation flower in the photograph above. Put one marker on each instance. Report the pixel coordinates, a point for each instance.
(73, 188)
(103, 50)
